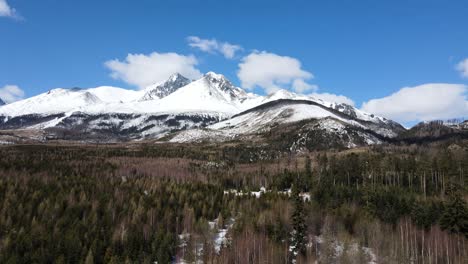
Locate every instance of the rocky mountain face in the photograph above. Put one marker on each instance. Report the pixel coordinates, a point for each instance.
(2, 102)
(221, 83)
(124, 127)
(164, 89)
(435, 131)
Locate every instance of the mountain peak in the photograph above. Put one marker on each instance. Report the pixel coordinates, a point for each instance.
(220, 82)
(175, 76)
(214, 75)
(2, 102)
(160, 90)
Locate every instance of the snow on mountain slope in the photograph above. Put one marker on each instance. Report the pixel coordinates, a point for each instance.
(307, 107)
(55, 101)
(258, 120)
(267, 116)
(118, 126)
(284, 94)
(68, 100)
(160, 90)
(344, 108)
(109, 94)
(253, 121)
(180, 104)
(212, 93)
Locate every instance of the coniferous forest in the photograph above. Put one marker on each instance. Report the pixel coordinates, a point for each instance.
(227, 203)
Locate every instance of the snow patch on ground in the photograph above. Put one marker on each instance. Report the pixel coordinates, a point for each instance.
(220, 239)
(257, 194)
(339, 248)
(199, 135)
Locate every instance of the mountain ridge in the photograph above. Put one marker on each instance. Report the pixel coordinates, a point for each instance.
(179, 104)
(160, 90)
(266, 117)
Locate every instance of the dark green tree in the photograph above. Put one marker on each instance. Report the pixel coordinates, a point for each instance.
(455, 215)
(298, 234)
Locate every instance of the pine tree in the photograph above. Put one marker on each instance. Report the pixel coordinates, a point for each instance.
(298, 235)
(455, 216)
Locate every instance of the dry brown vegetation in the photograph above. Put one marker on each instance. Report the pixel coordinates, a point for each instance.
(117, 203)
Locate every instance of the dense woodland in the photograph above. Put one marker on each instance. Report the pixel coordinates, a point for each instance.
(142, 203)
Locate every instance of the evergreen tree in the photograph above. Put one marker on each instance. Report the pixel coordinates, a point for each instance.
(298, 234)
(455, 216)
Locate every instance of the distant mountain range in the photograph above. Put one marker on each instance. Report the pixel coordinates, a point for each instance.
(208, 109)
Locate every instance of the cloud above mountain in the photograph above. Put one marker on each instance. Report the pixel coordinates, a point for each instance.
(143, 70)
(328, 97)
(273, 72)
(11, 93)
(214, 46)
(421, 103)
(7, 11)
(462, 67)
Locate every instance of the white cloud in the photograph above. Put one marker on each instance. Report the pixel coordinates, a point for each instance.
(7, 11)
(300, 86)
(206, 45)
(462, 67)
(11, 93)
(143, 70)
(213, 46)
(272, 72)
(229, 50)
(328, 97)
(422, 103)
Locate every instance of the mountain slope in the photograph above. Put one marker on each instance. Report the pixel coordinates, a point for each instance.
(263, 119)
(2, 102)
(434, 131)
(53, 102)
(210, 93)
(118, 113)
(109, 94)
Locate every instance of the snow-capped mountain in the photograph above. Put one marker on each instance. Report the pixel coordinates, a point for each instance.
(213, 92)
(160, 90)
(53, 102)
(2, 102)
(180, 104)
(268, 117)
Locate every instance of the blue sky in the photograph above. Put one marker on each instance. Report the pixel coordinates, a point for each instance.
(363, 50)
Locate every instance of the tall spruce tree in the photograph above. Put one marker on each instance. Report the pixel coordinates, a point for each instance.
(298, 234)
(455, 216)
